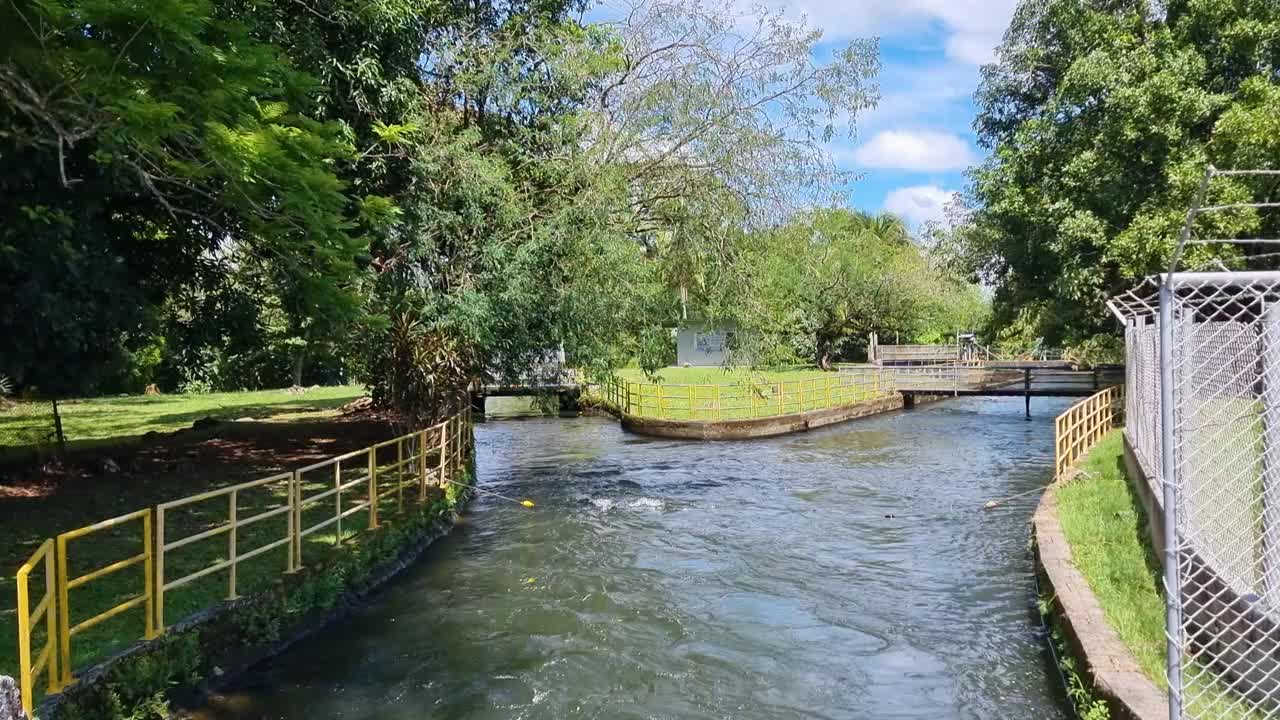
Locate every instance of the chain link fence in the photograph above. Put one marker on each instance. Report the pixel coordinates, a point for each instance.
(1215, 429)
(1203, 422)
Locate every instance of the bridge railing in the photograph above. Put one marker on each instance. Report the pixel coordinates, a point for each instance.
(952, 377)
(146, 567)
(747, 400)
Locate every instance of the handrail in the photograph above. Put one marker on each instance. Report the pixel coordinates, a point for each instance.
(448, 442)
(1082, 425)
(65, 629)
(230, 528)
(47, 658)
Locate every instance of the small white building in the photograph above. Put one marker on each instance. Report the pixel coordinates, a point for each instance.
(701, 345)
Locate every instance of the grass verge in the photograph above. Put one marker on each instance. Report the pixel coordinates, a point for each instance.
(1106, 527)
(720, 394)
(1107, 530)
(92, 421)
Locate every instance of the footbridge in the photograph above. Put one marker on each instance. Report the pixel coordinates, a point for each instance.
(1025, 379)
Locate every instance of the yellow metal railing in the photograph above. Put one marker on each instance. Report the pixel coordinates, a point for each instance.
(383, 472)
(1082, 425)
(747, 400)
(231, 528)
(46, 658)
(66, 631)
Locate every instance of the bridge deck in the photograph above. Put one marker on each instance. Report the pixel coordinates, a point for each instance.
(524, 390)
(1001, 392)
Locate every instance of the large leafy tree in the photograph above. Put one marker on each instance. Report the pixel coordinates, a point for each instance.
(143, 141)
(1101, 117)
(718, 121)
(828, 279)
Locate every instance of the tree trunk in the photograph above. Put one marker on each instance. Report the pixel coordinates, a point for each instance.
(299, 362)
(824, 345)
(58, 435)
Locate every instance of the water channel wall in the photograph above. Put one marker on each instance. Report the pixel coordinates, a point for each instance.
(1115, 674)
(765, 426)
(1116, 677)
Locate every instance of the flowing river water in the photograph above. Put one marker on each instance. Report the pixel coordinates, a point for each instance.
(849, 572)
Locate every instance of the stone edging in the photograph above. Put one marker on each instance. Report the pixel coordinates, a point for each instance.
(1115, 673)
(764, 427)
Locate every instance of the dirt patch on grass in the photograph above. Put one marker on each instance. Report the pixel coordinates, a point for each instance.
(206, 456)
(40, 500)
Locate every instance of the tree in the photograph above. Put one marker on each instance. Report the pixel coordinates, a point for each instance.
(830, 278)
(718, 121)
(1100, 117)
(142, 141)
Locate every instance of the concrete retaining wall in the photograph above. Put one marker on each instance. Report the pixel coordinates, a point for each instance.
(759, 427)
(1115, 673)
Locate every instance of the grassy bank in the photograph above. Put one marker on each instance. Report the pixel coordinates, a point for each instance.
(90, 421)
(720, 394)
(1106, 528)
(718, 375)
(1107, 531)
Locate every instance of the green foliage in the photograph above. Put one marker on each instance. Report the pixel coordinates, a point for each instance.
(1098, 350)
(140, 155)
(827, 280)
(254, 193)
(1101, 117)
(1087, 706)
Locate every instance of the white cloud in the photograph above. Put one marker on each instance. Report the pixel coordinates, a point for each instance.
(973, 27)
(919, 204)
(924, 150)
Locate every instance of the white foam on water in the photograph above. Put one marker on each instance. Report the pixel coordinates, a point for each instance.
(644, 504)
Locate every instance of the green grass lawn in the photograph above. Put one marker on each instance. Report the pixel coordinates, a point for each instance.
(717, 375)
(1107, 530)
(714, 393)
(92, 421)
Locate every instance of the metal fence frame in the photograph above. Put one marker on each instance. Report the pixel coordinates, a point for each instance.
(454, 443)
(231, 528)
(1081, 426)
(145, 598)
(46, 609)
(1203, 420)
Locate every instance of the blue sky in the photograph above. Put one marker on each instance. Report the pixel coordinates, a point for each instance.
(911, 151)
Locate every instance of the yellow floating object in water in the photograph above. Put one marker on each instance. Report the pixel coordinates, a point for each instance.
(527, 503)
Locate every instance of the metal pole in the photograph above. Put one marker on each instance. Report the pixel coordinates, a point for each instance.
(1026, 389)
(1270, 397)
(1172, 584)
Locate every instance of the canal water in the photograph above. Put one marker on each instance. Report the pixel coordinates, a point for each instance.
(850, 572)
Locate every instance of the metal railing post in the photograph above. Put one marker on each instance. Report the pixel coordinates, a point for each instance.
(294, 524)
(373, 488)
(1173, 587)
(231, 547)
